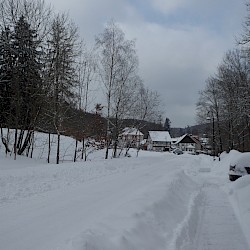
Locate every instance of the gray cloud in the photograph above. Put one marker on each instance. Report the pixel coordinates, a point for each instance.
(169, 6)
(177, 51)
(176, 64)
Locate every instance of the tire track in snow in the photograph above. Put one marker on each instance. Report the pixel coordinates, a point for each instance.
(186, 230)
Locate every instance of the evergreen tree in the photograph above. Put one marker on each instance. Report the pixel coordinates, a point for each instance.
(61, 72)
(167, 125)
(27, 73)
(26, 83)
(6, 64)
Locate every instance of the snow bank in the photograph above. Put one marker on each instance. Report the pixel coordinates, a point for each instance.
(67, 148)
(150, 202)
(238, 191)
(226, 158)
(239, 195)
(41, 147)
(130, 203)
(220, 169)
(161, 225)
(26, 177)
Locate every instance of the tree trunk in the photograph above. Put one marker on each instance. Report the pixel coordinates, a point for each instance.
(5, 143)
(107, 146)
(20, 139)
(15, 144)
(85, 155)
(75, 151)
(83, 148)
(26, 142)
(58, 149)
(49, 149)
(32, 145)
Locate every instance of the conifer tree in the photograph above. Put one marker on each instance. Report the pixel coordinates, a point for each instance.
(6, 64)
(62, 55)
(167, 124)
(26, 83)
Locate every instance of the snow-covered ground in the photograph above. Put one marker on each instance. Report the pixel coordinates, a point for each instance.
(154, 201)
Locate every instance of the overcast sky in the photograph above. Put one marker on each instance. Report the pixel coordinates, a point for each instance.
(179, 42)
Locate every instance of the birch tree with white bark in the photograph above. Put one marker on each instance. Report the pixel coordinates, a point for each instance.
(118, 72)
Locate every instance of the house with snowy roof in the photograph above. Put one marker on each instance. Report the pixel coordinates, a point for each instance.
(159, 141)
(188, 143)
(131, 137)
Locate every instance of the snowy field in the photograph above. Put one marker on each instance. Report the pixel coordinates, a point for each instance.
(152, 202)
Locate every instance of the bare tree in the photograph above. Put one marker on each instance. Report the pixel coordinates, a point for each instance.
(234, 85)
(118, 70)
(210, 104)
(148, 106)
(86, 76)
(226, 97)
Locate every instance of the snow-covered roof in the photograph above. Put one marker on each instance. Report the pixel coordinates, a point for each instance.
(174, 139)
(160, 136)
(131, 131)
(180, 139)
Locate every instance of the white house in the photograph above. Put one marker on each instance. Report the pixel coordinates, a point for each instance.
(130, 137)
(159, 141)
(188, 143)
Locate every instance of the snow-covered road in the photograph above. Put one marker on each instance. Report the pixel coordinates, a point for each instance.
(104, 204)
(156, 201)
(218, 227)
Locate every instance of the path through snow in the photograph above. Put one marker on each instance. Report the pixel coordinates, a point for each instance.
(154, 202)
(218, 227)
